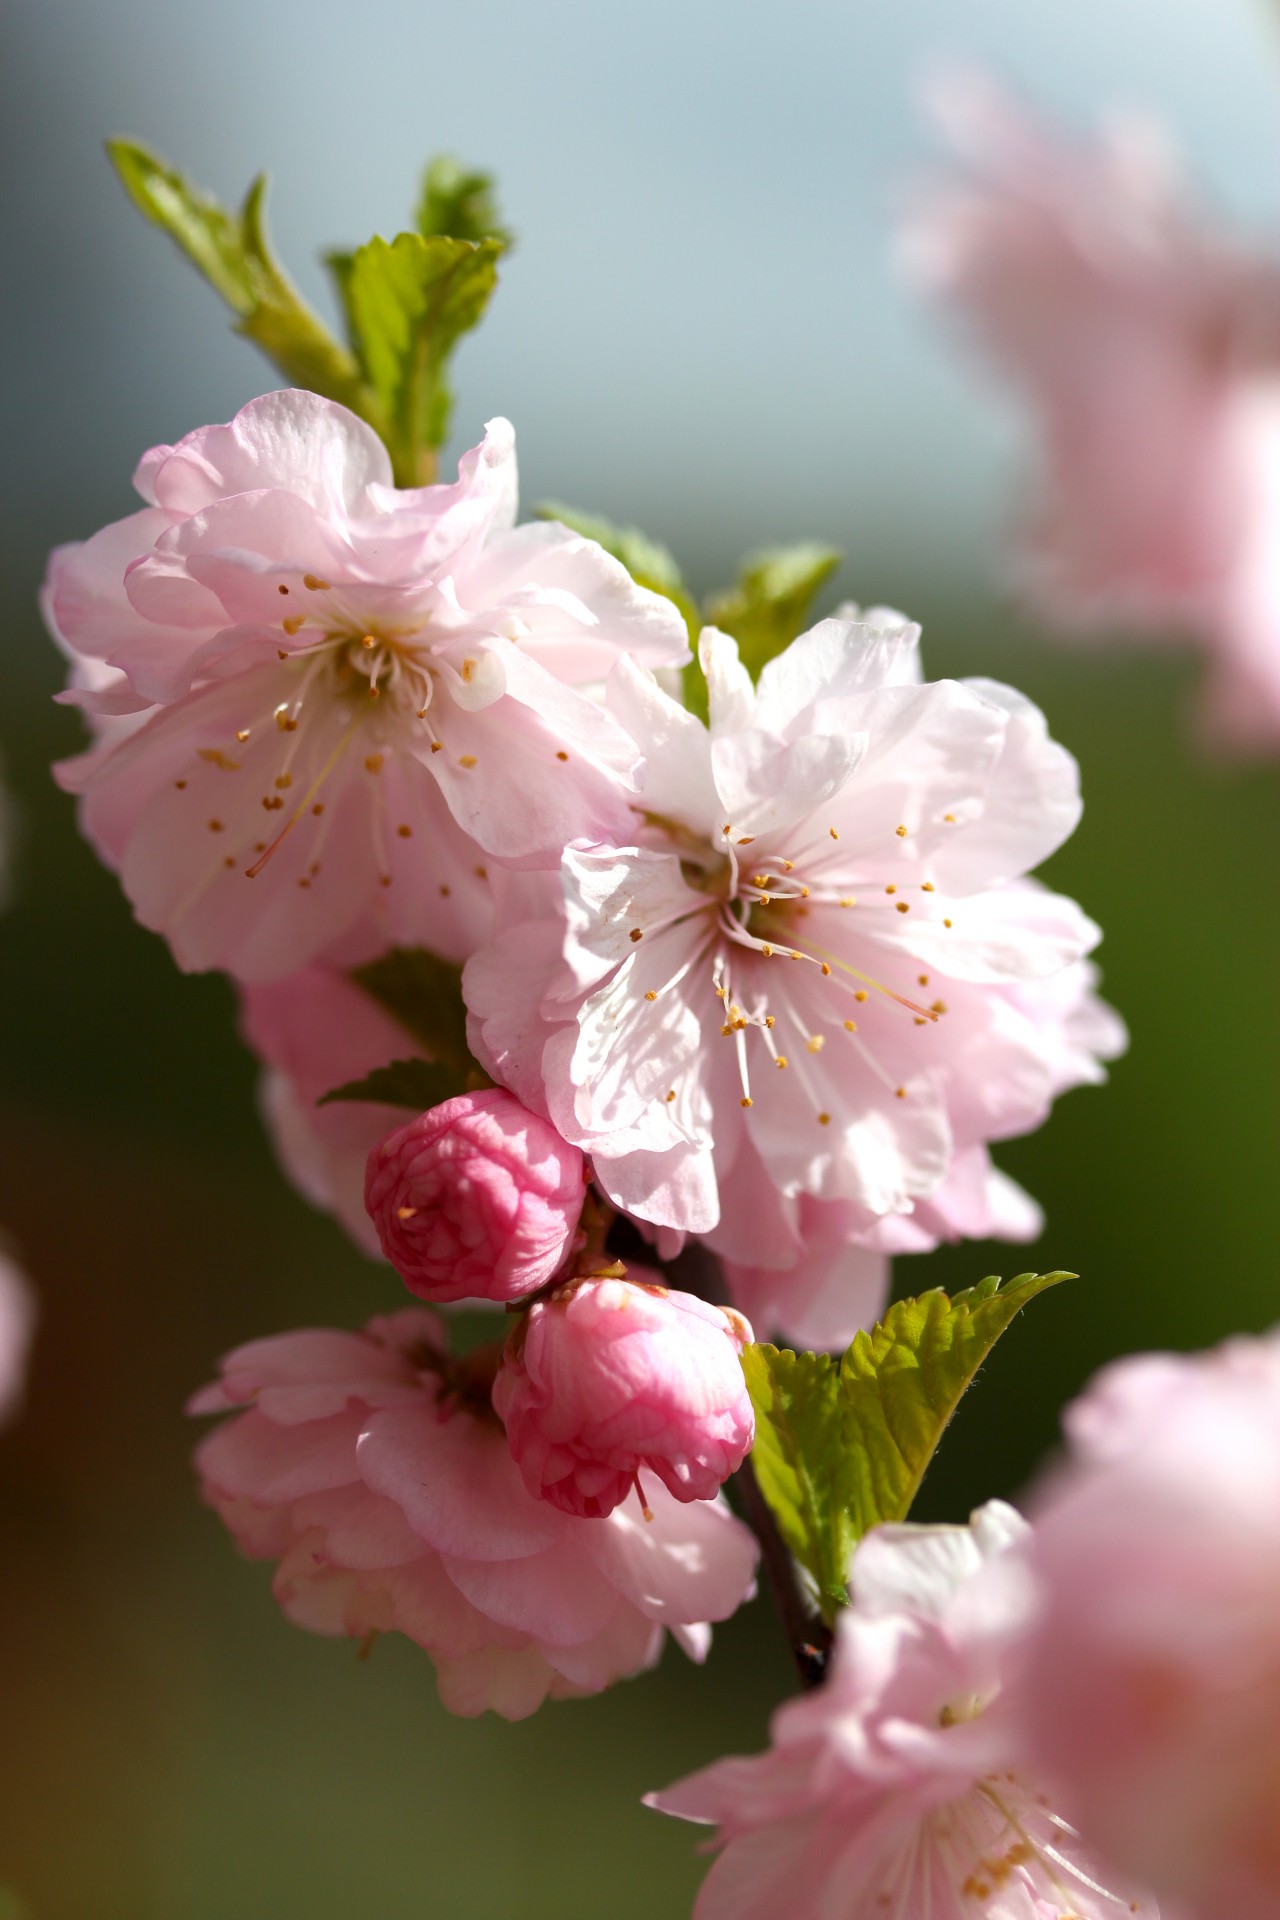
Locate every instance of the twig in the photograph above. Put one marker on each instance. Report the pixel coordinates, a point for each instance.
(807, 1633)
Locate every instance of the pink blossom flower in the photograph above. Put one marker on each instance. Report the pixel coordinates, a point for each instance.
(17, 1324)
(1152, 1691)
(805, 977)
(1148, 348)
(477, 1198)
(896, 1789)
(373, 1470)
(328, 668)
(608, 1378)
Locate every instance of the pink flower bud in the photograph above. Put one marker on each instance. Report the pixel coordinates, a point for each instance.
(476, 1199)
(609, 1377)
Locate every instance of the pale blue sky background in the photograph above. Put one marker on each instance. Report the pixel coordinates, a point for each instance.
(702, 328)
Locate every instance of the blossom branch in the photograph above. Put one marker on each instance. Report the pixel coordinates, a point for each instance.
(808, 1635)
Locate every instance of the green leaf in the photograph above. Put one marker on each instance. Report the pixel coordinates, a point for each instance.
(770, 603)
(797, 1459)
(901, 1383)
(649, 563)
(232, 252)
(417, 1084)
(424, 993)
(842, 1444)
(408, 302)
(461, 202)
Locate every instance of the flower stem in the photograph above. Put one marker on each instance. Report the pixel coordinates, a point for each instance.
(808, 1634)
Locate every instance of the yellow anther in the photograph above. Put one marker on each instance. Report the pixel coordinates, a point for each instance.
(901, 832)
(815, 1043)
(927, 886)
(904, 906)
(851, 1026)
(467, 760)
(781, 1060)
(826, 969)
(242, 734)
(294, 624)
(770, 1022)
(373, 763)
(368, 641)
(824, 1119)
(651, 995)
(860, 993)
(315, 583)
(848, 901)
(833, 833)
(746, 1101)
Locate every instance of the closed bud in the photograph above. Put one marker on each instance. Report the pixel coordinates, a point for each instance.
(611, 1378)
(476, 1199)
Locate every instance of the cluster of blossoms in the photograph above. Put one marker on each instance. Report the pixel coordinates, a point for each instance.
(1148, 349)
(775, 981)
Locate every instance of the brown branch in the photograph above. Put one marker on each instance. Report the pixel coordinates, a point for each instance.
(808, 1634)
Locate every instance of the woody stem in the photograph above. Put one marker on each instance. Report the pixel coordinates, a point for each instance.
(808, 1634)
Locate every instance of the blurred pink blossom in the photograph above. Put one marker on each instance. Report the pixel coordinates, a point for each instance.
(1147, 345)
(610, 1378)
(477, 1198)
(897, 1789)
(17, 1325)
(373, 1470)
(815, 977)
(343, 684)
(1152, 1690)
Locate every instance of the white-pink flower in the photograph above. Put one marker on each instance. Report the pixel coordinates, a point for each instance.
(896, 1791)
(333, 672)
(1152, 1685)
(830, 1274)
(17, 1325)
(1147, 345)
(373, 1470)
(609, 1378)
(811, 976)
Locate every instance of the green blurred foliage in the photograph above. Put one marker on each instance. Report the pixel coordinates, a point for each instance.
(175, 1750)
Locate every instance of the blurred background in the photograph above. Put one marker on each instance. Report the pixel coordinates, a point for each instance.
(702, 332)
